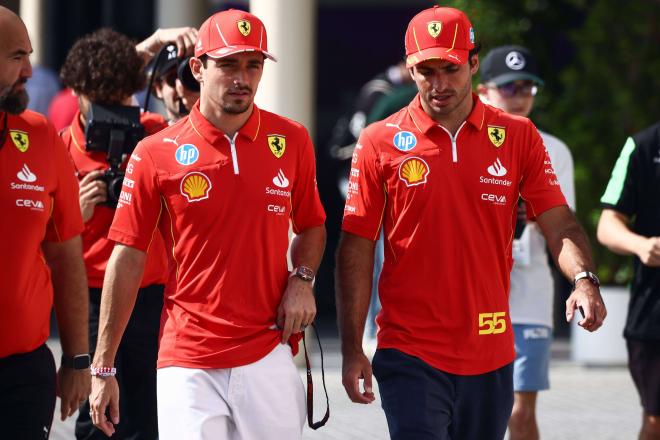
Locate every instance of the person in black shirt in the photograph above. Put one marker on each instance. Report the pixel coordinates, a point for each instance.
(630, 224)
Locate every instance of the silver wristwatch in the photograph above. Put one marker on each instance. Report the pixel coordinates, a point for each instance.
(592, 277)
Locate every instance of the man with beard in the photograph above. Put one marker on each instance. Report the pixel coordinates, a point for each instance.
(441, 177)
(174, 84)
(42, 263)
(222, 186)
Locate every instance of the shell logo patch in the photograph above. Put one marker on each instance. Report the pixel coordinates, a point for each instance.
(277, 144)
(20, 139)
(195, 186)
(434, 28)
(413, 171)
(496, 135)
(244, 27)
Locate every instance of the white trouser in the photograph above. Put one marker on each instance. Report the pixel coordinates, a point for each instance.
(260, 401)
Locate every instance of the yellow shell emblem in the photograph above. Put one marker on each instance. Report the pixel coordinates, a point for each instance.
(244, 27)
(277, 144)
(20, 139)
(413, 171)
(195, 186)
(496, 135)
(434, 28)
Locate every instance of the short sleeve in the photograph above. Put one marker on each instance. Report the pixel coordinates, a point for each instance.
(66, 219)
(623, 188)
(539, 185)
(562, 162)
(139, 209)
(307, 210)
(365, 201)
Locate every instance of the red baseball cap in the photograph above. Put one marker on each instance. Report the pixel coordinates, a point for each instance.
(229, 32)
(439, 33)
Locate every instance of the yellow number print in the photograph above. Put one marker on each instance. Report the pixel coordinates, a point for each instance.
(492, 323)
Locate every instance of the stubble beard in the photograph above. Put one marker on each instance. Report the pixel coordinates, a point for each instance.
(13, 102)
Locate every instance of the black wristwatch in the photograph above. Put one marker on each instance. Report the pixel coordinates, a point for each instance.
(77, 362)
(592, 277)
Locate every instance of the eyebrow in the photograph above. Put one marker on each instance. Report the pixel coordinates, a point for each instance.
(20, 52)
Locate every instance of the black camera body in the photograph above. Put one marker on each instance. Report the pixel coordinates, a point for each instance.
(115, 130)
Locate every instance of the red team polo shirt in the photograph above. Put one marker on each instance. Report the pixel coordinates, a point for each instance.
(224, 208)
(96, 247)
(448, 210)
(38, 202)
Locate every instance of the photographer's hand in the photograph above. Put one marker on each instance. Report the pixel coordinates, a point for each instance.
(184, 38)
(92, 192)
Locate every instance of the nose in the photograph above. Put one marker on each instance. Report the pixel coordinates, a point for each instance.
(26, 70)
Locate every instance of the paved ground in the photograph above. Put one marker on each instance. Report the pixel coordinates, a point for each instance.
(584, 403)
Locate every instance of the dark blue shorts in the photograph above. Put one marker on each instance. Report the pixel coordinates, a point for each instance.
(422, 402)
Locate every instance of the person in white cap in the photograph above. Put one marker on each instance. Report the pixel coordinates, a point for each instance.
(222, 185)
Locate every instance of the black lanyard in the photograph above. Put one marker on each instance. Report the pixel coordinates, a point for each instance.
(310, 387)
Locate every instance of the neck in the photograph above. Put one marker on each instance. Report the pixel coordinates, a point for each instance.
(453, 120)
(229, 123)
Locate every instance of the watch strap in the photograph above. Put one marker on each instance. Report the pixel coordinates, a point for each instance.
(77, 362)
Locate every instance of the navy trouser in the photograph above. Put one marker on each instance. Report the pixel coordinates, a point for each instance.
(422, 402)
(27, 394)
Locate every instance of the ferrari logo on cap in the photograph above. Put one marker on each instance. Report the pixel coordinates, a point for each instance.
(244, 27)
(434, 28)
(496, 135)
(277, 144)
(20, 139)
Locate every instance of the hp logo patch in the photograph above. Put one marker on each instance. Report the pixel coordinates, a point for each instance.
(404, 141)
(187, 154)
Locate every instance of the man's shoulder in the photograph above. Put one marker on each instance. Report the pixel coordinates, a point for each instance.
(386, 128)
(30, 120)
(152, 122)
(171, 136)
(648, 138)
(272, 122)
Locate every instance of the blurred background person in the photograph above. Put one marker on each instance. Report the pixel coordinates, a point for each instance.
(510, 80)
(108, 81)
(173, 83)
(630, 225)
(41, 262)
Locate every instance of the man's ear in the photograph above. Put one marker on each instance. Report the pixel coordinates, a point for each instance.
(196, 67)
(474, 64)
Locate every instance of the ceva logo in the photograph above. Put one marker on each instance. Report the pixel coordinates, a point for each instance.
(36, 205)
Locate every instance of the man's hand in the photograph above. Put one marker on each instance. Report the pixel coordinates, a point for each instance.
(73, 388)
(297, 308)
(587, 297)
(649, 252)
(92, 192)
(105, 392)
(355, 367)
(184, 38)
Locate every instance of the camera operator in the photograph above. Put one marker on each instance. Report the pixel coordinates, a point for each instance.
(111, 78)
(173, 83)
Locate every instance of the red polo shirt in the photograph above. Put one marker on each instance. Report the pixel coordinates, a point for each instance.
(224, 208)
(447, 206)
(96, 247)
(38, 202)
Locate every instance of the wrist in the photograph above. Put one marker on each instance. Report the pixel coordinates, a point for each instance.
(586, 277)
(76, 362)
(304, 273)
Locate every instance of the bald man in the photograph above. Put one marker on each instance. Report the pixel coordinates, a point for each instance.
(41, 264)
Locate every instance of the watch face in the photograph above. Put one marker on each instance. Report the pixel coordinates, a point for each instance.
(305, 273)
(81, 362)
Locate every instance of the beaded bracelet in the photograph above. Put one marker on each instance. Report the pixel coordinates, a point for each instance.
(103, 371)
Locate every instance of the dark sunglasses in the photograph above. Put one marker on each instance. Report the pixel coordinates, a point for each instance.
(509, 90)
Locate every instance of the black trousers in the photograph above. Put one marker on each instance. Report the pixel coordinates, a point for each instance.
(424, 403)
(27, 394)
(136, 369)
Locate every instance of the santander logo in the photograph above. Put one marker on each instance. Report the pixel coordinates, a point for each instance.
(497, 169)
(280, 180)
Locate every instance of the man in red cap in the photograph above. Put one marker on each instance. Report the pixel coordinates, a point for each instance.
(222, 185)
(442, 178)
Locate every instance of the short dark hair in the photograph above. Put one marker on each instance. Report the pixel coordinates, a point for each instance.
(474, 51)
(104, 66)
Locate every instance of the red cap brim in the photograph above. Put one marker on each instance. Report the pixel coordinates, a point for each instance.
(456, 56)
(230, 50)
